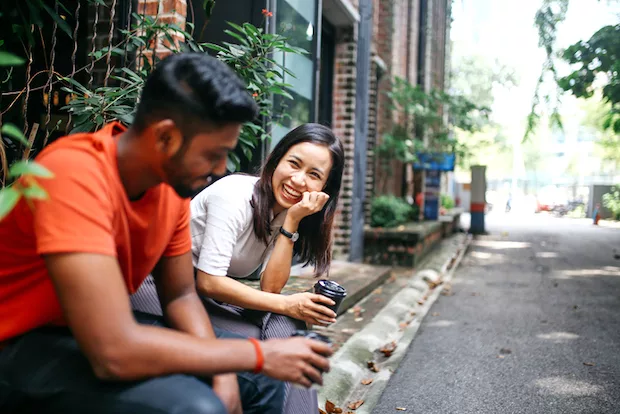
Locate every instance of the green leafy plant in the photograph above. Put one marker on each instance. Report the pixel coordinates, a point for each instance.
(420, 114)
(598, 55)
(390, 211)
(23, 176)
(447, 202)
(27, 187)
(250, 57)
(611, 201)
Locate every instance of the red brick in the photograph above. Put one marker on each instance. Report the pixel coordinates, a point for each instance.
(148, 8)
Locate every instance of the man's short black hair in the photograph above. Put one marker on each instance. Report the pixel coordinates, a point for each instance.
(194, 90)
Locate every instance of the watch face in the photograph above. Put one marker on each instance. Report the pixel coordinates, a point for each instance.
(295, 237)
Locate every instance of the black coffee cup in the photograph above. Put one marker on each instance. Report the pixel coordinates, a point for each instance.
(315, 336)
(332, 290)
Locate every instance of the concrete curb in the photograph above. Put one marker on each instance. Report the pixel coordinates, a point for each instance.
(397, 323)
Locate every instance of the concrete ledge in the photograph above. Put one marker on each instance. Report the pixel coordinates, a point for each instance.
(450, 221)
(404, 245)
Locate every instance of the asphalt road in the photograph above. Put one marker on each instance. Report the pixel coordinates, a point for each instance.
(533, 326)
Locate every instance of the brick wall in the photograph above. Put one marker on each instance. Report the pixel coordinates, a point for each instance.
(344, 128)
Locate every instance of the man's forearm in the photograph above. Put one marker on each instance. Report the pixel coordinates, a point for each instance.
(149, 351)
(187, 314)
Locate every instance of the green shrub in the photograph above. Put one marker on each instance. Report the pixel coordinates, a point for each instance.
(390, 211)
(447, 202)
(611, 200)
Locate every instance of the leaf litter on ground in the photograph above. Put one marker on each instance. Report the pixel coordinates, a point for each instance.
(355, 404)
(388, 349)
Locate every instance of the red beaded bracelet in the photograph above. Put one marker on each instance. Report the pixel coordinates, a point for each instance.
(260, 360)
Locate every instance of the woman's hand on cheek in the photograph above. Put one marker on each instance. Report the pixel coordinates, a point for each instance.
(311, 202)
(309, 307)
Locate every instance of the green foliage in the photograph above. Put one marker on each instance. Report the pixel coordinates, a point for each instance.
(251, 60)
(420, 114)
(9, 197)
(249, 57)
(611, 201)
(608, 142)
(27, 187)
(598, 55)
(390, 211)
(474, 77)
(9, 59)
(447, 202)
(547, 19)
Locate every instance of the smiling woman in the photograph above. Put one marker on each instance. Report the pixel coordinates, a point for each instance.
(244, 226)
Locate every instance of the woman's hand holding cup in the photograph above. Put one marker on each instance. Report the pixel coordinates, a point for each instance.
(310, 307)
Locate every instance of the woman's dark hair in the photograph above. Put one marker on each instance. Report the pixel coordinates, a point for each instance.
(315, 231)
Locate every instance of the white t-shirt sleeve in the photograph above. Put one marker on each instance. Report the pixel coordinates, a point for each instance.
(224, 222)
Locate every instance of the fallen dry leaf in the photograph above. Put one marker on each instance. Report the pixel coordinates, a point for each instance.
(432, 285)
(358, 319)
(403, 325)
(321, 411)
(420, 301)
(367, 381)
(355, 404)
(435, 314)
(350, 412)
(329, 407)
(372, 366)
(388, 349)
(401, 409)
(589, 364)
(337, 410)
(378, 291)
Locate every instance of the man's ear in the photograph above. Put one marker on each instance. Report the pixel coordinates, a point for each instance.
(168, 138)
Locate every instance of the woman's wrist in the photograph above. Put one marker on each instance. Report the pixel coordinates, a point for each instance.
(290, 224)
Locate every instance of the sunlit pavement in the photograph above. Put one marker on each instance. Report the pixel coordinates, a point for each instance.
(533, 325)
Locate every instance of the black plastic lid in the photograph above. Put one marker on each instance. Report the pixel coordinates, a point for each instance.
(331, 286)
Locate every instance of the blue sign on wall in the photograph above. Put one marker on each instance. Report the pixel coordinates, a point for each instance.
(432, 184)
(440, 161)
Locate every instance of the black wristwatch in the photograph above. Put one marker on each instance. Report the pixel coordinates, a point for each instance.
(293, 236)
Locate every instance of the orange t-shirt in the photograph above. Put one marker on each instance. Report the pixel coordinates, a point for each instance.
(87, 211)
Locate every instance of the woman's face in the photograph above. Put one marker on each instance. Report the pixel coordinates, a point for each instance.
(305, 167)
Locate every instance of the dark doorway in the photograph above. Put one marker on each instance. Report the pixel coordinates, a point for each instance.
(326, 79)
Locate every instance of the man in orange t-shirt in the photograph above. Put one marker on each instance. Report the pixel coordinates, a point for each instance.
(117, 211)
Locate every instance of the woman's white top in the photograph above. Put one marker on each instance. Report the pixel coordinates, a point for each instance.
(223, 239)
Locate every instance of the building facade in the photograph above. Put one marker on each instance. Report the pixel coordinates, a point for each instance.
(408, 39)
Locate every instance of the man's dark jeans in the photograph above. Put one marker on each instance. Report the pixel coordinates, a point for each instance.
(45, 372)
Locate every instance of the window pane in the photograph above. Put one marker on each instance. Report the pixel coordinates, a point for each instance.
(295, 19)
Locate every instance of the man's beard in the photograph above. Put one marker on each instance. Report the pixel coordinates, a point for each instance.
(173, 170)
